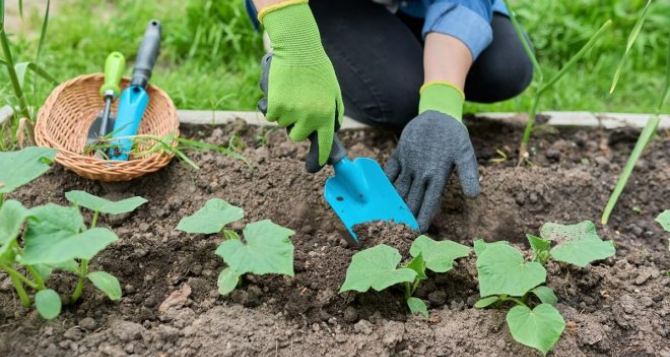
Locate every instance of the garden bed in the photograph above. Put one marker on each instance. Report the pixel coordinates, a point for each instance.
(620, 306)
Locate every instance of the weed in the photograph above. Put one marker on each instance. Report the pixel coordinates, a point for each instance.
(264, 248)
(377, 268)
(648, 133)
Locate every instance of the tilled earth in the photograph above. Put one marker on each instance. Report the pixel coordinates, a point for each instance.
(171, 307)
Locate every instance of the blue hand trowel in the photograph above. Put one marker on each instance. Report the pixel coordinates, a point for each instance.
(360, 192)
(134, 99)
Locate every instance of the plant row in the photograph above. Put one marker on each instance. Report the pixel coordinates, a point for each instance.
(37, 241)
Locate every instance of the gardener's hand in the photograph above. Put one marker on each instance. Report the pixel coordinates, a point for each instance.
(301, 89)
(430, 146)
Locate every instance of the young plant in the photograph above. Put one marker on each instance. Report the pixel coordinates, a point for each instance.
(505, 277)
(264, 248)
(377, 268)
(104, 281)
(544, 87)
(577, 244)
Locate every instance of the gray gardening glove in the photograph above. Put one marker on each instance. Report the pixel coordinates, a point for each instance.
(430, 146)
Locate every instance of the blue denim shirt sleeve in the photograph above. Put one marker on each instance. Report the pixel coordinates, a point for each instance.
(466, 20)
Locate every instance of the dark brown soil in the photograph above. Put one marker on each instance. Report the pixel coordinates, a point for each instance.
(617, 307)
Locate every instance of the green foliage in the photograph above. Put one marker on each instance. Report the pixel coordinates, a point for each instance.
(102, 205)
(54, 238)
(504, 276)
(545, 294)
(107, 283)
(18, 168)
(417, 306)
(377, 268)
(539, 328)
(502, 271)
(211, 218)
(264, 248)
(48, 303)
(439, 256)
(664, 220)
(577, 244)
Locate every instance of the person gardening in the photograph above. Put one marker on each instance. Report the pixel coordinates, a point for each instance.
(407, 65)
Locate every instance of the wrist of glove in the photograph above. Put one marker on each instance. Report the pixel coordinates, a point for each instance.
(431, 146)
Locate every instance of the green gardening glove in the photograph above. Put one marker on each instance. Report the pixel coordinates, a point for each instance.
(303, 91)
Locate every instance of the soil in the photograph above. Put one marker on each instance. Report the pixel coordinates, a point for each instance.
(171, 306)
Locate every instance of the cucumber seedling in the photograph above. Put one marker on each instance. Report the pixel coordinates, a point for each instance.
(505, 277)
(43, 239)
(377, 268)
(263, 248)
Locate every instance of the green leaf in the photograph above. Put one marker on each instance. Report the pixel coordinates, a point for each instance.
(564, 232)
(12, 216)
(418, 264)
(481, 245)
(48, 303)
(539, 328)
(107, 283)
(23, 67)
(102, 205)
(227, 281)
(545, 294)
(439, 256)
(52, 221)
(578, 244)
(211, 218)
(632, 37)
(45, 270)
(664, 220)
(486, 302)
(266, 249)
(18, 168)
(502, 271)
(376, 268)
(538, 244)
(417, 306)
(44, 249)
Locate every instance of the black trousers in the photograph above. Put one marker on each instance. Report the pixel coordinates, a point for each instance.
(378, 59)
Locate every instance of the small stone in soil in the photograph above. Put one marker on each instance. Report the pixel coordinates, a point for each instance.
(87, 323)
(350, 314)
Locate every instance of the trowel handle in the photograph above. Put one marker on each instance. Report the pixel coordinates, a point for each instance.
(115, 64)
(337, 153)
(147, 54)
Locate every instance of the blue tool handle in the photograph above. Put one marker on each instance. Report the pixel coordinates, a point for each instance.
(147, 54)
(132, 104)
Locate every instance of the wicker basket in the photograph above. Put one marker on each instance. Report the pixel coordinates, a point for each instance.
(64, 120)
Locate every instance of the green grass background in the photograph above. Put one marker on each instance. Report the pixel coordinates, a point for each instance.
(210, 53)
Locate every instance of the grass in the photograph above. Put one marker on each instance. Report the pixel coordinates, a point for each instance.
(210, 53)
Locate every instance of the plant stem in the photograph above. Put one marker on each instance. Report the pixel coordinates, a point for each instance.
(39, 282)
(528, 131)
(83, 272)
(94, 220)
(2, 195)
(21, 277)
(18, 91)
(15, 277)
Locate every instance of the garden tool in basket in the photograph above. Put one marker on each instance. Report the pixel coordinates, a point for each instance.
(103, 124)
(359, 192)
(134, 99)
